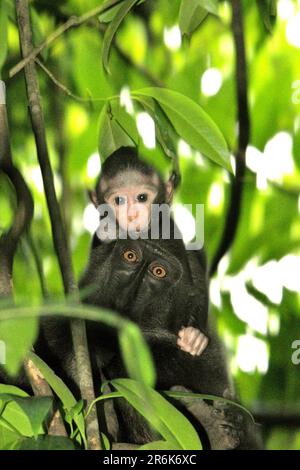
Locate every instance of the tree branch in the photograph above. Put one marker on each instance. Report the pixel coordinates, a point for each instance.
(9, 242)
(142, 70)
(38, 264)
(60, 242)
(74, 21)
(24, 211)
(236, 192)
(41, 389)
(60, 85)
(274, 417)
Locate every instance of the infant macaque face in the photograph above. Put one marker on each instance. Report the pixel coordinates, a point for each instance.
(131, 197)
(132, 206)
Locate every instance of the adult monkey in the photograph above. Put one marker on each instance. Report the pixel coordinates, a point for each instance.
(131, 188)
(161, 286)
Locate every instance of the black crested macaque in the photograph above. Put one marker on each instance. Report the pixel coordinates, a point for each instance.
(158, 284)
(163, 288)
(132, 189)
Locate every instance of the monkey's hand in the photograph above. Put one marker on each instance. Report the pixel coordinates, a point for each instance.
(192, 340)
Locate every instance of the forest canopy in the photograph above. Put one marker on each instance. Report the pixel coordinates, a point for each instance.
(184, 84)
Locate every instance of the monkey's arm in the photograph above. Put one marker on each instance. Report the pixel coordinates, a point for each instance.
(192, 338)
(189, 339)
(198, 295)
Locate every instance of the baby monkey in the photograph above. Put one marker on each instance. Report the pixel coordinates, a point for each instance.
(131, 188)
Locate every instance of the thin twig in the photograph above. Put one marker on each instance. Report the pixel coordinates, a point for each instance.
(59, 236)
(141, 69)
(155, 81)
(73, 21)
(62, 87)
(236, 190)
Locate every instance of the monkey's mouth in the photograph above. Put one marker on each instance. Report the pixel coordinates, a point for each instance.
(132, 227)
(135, 225)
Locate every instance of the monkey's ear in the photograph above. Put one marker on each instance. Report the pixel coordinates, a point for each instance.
(172, 184)
(169, 190)
(93, 197)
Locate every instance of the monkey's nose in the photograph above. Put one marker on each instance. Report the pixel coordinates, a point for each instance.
(132, 213)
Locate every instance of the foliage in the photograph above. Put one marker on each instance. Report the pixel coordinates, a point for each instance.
(253, 307)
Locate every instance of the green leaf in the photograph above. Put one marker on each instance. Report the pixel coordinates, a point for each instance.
(105, 442)
(90, 79)
(37, 409)
(193, 12)
(8, 436)
(74, 411)
(64, 394)
(78, 408)
(34, 408)
(11, 10)
(111, 135)
(268, 11)
(126, 121)
(165, 132)
(12, 390)
(18, 335)
(209, 5)
(3, 33)
(273, 7)
(15, 417)
(109, 15)
(173, 426)
(126, 6)
(136, 355)
(191, 123)
(191, 15)
(205, 396)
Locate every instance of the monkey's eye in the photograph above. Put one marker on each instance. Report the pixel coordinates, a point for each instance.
(120, 200)
(130, 256)
(143, 197)
(159, 271)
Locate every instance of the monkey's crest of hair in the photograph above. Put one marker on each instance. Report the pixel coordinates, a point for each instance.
(125, 159)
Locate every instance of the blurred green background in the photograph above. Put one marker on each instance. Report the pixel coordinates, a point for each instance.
(256, 290)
